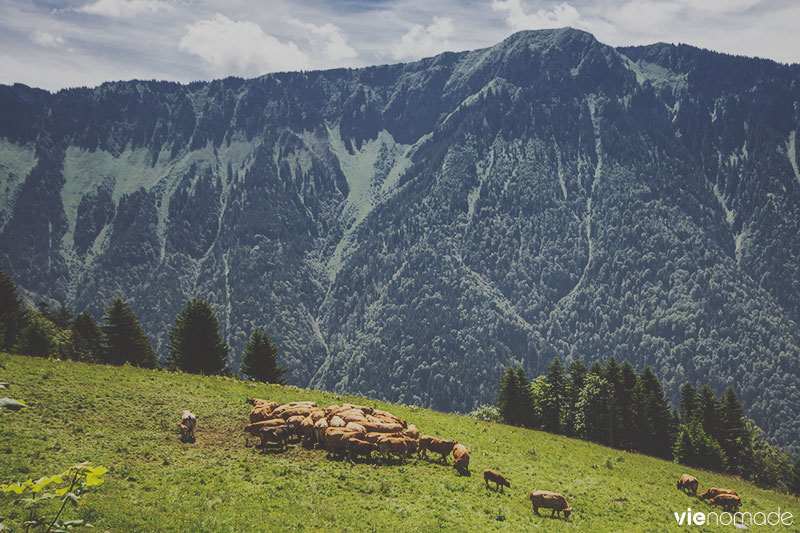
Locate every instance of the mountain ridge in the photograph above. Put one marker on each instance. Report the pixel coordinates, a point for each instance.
(435, 221)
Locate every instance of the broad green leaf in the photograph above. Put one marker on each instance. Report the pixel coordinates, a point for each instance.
(98, 470)
(92, 480)
(63, 491)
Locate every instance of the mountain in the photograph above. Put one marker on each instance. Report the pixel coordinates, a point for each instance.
(405, 231)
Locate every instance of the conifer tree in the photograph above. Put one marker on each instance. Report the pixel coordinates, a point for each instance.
(552, 405)
(87, 338)
(654, 421)
(734, 435)
(688, 404)
(124, 339)
(260, 359)
(708, 409)
(509, 398)
(526, 403)
(196, 345)
(12, 312)
(694, 447)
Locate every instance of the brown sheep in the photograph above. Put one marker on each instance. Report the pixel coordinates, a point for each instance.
(277, 434)
(358, 428)
(714, 491)
(319, 429)
(460, 458)
(357, 447)
(382, 427)
(187, 425)
(728, 502)
(317, 414)
(393, 446)
(495, 477)
(411, 431)
(374, 436)
(307, 430)
(336, 422)
(254, 428)
(550, 500)
(688, 484)
(259, 413)
(440, 446)
(336, 442)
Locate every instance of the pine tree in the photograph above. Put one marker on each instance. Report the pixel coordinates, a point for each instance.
(124, 339)
(653, 419)
(260, 359)
(87, 339)
(196, 344)
(708, 409)
(552, 406)
(12, 312)
(526, 403)
(508, 397)
(688, 403)
(694, 447)
(625, 408)
(734, 435)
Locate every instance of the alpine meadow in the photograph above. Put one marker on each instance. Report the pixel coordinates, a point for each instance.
(508, 247)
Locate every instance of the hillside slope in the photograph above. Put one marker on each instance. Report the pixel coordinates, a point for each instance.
(406, 231)
(125, 419)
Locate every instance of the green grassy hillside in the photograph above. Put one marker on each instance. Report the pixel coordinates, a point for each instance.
(125, 419)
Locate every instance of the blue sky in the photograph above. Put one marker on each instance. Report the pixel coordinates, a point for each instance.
(51, 44)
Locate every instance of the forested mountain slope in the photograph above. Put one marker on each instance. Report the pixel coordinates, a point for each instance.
(406, 231)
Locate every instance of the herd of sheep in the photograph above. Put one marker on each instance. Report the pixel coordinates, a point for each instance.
(359, 431)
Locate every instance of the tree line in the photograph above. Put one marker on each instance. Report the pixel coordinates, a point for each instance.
(195, 342)
(614, 405)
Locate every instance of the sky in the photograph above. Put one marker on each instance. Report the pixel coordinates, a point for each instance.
(56, 44)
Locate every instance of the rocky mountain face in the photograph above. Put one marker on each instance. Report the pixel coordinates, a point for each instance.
(406, 231)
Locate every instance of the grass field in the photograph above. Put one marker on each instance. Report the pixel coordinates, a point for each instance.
(125, 419)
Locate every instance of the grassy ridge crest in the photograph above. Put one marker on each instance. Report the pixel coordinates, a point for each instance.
(125, 418)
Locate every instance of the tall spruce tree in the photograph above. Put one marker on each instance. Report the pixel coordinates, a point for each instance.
(654, 421)
(12, 312)
(87, 338)
(196, 344)
(733, 432)
(553, 403)
(510, 398)
(688, 404)
(526, 402)
(260, 359)
(124, 339)
(708, 411)
(593, 411)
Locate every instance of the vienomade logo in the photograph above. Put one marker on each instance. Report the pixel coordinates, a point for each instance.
(698, 518)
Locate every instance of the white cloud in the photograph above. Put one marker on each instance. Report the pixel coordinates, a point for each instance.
(231, 47)
(421, 41)
(48, 40)
(123, 8)
(328, 37)
(557, 16)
